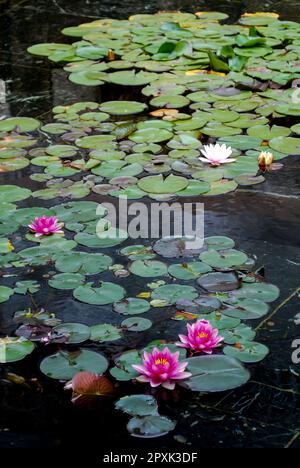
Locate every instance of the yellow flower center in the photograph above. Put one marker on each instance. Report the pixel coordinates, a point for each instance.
(203, 335)
(161, 361)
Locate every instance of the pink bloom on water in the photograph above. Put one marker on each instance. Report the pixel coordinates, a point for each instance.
(201, 337)
(45, 226)
(162, 368)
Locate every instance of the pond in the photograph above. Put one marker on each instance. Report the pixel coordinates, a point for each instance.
(262, 219)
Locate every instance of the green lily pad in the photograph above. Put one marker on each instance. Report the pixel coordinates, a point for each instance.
(66, 281)
(136, 324)
(286, 145)
(65, 365)
(248, 351)
(22, 124)
(263, 291)
(151, 135)
(224, 258)
(76, 332)
(172, 293)
(159, 185)
(132, 306)
(219, 242)
(14, 349)
(137, 405)
(215, 374)
(123, 107)
(106, 293)
(12, 193)
(188, 271)
(5, 293)
(83, 262)
(266, 132)
(105, 332)
(148, 268)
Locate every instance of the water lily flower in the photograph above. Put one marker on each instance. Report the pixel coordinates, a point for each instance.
(215, 155)
(162, 368)
(201, 337)
(265, 160)
(46, 226)
(86, 384)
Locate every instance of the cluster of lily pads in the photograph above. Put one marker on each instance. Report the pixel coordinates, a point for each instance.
(216, 283)
(201, 81)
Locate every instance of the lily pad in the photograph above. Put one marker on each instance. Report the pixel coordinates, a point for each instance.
(75, 332)
(215, 374)
(107, 293)
(14, 349)
(123, 107)
(172, 293)
(136, 324)
(64, 365)
(247, 351)
(148, 268)
(159, 185)
(105, 332)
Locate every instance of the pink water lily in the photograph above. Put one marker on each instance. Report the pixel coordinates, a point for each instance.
(215, 155)
(162, 368)
(46, 226)
(201, 337)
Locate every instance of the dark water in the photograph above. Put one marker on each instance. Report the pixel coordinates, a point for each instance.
(264, 222)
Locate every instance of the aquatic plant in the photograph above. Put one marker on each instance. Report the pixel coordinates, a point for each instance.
(215, 155)
(46, 226)
(161, 368)
(201, 337)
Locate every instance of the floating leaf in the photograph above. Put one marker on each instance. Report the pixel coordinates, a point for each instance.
(107, 293)
(14, 349)
(148, 268)
(105, 332)
(132, 306)
(215, 374)
(159, 185)
(75, 332)
(65, 365)
(150, 426)
(137, 405)
(247, 351)
(136, 324)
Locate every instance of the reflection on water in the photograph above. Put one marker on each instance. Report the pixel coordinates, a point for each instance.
(264, 222)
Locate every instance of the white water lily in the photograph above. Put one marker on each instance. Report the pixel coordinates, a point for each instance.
(215, 155)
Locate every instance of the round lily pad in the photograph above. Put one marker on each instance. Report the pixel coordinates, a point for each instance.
(172, 293)
(224, 259)
(64, 365)
(105, 332)
(66, 281)
(188, 271)
(21, 124)
(148, 268)
(132, 306)
(107, 293)
(215, 374)
(123, 107)
(159, 185)
(247, 351)
(14, 349)
(75, 332)
(136, 324)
